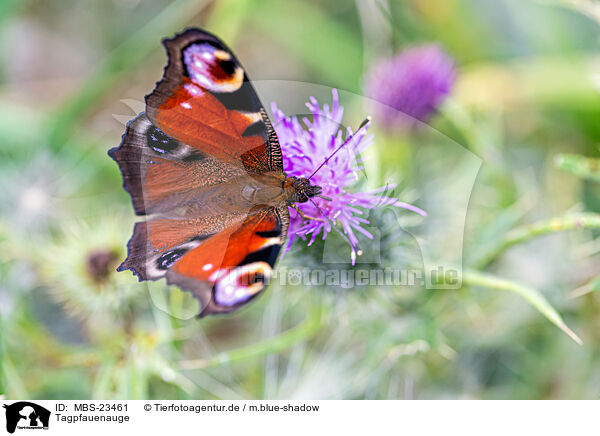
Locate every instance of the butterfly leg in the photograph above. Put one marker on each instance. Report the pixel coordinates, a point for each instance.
(303, 215)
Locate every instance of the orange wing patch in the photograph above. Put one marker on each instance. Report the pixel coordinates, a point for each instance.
(231, 247)
(160, 172)
(203, 122)
(236, 264)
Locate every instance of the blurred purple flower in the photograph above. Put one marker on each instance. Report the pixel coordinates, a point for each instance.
(413, 83)
(304, 148)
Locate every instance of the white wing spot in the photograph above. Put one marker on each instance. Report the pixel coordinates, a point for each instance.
(192, 89)
(252, 116)
(231, 288)
(203, 80)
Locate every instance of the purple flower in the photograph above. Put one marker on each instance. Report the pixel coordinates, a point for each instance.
(413, 83)
(304, 148)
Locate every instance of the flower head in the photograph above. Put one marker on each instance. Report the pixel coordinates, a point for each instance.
(79, 267)
(306, 146)
(413, 83)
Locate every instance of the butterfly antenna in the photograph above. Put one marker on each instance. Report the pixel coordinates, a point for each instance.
(319, 209)
(363, 124)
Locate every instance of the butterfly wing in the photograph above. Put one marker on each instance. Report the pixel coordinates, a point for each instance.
(161, 173)
(245, 257)
(224, 261)
(204, 134)
(205, 99)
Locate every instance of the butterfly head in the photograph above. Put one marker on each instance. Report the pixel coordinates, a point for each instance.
(305, 190)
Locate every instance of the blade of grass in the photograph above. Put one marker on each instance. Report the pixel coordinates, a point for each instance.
(534, 297)
(15, 387)
(103, 380)
(137, 377)
(592, 286)
(162, 368)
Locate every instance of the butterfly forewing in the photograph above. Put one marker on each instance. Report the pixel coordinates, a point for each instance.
(206, 100)
(161, 173)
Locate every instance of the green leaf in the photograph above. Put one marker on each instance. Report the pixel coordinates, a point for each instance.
(534, 297)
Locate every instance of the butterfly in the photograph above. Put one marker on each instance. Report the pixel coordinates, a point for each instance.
(203, 165)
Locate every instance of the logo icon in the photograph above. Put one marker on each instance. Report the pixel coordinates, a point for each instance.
(26, 415)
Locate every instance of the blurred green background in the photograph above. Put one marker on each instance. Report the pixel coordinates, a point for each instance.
(526, 101)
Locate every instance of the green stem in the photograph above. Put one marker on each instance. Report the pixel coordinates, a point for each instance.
(582, 166)
(527, 232)
(301, 332)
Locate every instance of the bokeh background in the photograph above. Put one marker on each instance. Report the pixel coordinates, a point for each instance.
(524, 99)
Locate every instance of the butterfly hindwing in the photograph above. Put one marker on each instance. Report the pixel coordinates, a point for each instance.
(206, 100)
(159, 242)
(229, 269)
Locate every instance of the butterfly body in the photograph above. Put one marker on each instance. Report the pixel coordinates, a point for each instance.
(204, 167)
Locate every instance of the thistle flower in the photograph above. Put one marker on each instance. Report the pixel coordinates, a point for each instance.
(100, 264)
(79, 267)
(411, 85)
(304, 148)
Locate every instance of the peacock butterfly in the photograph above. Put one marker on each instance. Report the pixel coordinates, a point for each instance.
(204, 166)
